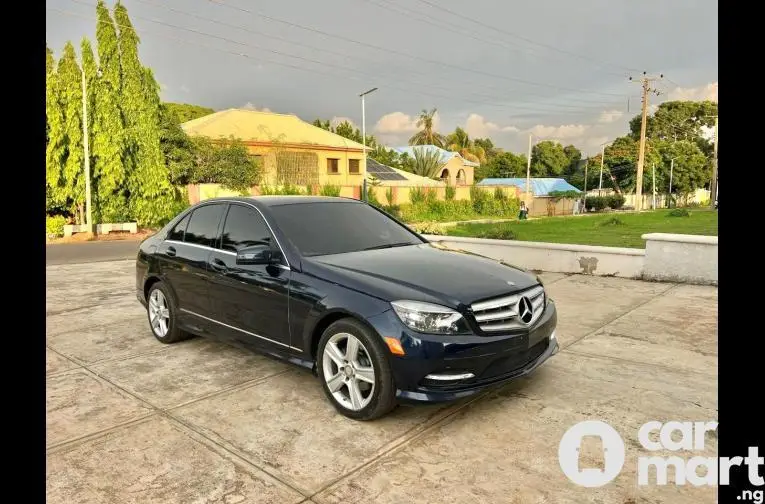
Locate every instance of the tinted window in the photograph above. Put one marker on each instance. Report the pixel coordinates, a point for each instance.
(179, 229)
(244, 227)
(335, 228)
(203, 227)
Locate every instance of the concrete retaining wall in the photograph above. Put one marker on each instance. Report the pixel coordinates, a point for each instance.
(685, 258)
(676, 258)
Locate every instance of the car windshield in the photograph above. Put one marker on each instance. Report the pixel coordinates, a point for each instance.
(336, 228)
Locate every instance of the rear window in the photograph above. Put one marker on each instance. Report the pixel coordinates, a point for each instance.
(336, 228)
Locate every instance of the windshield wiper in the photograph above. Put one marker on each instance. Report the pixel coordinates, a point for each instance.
(389, 245)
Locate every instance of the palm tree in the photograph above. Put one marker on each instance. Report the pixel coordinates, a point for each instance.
(459, 141)
(427, 136)
(427, 162)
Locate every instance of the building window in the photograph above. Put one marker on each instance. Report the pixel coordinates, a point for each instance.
(333, 166)
(353, 166)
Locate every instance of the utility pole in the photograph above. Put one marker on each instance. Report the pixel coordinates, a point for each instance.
(528, 172)
(88, 214)
(586, 163)
(671, 172)
(645, 82)
(653, 176)
(713, 187)
(364, 136)
(602, 157)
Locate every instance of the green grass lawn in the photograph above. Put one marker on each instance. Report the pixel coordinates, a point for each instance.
(610, 230)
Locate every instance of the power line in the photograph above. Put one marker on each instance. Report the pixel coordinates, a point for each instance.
(411, 56)
(246, 29)
(312, 71)
(409, 13)
(527, 40)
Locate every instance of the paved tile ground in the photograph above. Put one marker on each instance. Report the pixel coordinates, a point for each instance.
(133, 421)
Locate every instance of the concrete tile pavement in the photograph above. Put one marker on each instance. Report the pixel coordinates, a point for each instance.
(132, 420)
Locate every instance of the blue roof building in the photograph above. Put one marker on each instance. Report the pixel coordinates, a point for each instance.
(539, 186)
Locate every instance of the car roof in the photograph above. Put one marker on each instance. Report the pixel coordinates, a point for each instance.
(278, 200)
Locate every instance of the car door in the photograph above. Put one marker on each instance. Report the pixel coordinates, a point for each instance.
(251, 300)
(184, 257)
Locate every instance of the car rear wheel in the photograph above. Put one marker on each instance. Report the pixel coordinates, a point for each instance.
(161, 310)
(353, 366)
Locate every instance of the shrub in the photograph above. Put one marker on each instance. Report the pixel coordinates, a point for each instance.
(679, 212)
(309, 189)
(393, 210)
(329, 190)
(499, 232)
(54, 225)
(499, 194)
(430, 195)
(451, 193)
(612, 221)
(372, 198)
(416, 195)
(596, 203)
(431, 228)
(616, 201)
(389, 196)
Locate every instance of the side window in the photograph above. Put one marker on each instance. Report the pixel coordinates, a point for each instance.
(244, 227)
(179, 230)
(203, 226)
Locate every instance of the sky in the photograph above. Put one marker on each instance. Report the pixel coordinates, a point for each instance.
(553, 69)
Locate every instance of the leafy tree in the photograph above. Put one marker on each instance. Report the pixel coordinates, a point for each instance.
(391, 158)
(346, 130)
(504, 165)
(177, 147)
(427, 135)
(574, 156)
(427, 163)
(55, 149)
(72, 181)
(676, 120)
(227, 163)
(185, 112)
(151, 195)
(109, 140)
(691, 168)
(621, 163)
(488, 147)
(548, 159)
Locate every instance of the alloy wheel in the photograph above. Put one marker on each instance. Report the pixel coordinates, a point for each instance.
(159, 313)
(348, 371)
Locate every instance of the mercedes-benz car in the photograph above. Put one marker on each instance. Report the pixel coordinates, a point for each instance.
(376, 311)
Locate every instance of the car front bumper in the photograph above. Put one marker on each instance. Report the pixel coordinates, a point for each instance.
(439, 368)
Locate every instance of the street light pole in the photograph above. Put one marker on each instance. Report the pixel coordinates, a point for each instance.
(713, 186)
(602, 157)
(88, 214)
(528, 172)
(364, 125)
(671, 172)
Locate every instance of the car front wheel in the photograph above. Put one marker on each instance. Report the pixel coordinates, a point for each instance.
(352, 363)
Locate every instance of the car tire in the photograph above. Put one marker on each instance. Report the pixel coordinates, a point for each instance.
(161, 311)
(355, 397)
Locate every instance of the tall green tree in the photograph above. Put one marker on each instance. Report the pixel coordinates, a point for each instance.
(548, 159)
(459, 141)
(503, 165)
(108, 129)
(90, 68)
(177, 147)
(55, 149)
(152, 198)
(427, 135)
(186, 112)
(72, 180)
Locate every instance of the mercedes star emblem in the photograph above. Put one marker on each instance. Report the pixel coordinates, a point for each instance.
(525, 310)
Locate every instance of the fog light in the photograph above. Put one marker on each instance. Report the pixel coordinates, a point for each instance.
(449, 377)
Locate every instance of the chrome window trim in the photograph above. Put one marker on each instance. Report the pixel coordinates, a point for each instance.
(286, 267)
(241, 330)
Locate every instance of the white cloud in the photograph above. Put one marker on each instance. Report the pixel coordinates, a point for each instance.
(397, 123)
(708, 92)
(609, 116)
(252, 106)
(564, 131)
(477, 126)
(340, 119)
(185, 89)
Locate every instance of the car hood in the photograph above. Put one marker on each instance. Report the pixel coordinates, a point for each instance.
(424, 272)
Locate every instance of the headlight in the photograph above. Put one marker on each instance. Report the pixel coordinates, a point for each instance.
(429, 318)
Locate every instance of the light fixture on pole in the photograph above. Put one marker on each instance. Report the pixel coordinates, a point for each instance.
(88, 213)
(364, 126)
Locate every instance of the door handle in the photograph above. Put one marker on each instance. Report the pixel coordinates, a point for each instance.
(171, 251)
(218, 265)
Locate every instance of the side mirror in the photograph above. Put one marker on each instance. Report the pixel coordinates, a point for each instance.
(256, 254)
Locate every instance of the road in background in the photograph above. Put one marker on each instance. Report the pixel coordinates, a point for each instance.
(73, 253)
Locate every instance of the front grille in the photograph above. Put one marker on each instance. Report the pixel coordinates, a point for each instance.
(501, 314)
(514, 362)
